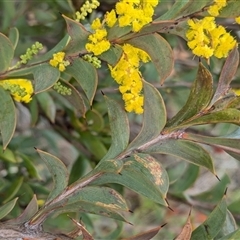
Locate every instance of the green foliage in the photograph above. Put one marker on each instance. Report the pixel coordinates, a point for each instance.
(94, 155)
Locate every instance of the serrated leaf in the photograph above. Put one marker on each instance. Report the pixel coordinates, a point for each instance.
(75, 99)
(148, 235)
(13, 189)
(28, 212)
(186, 231)
(231, 236)
(79, 36)
(215, 193)
(211, 227)
(86, 75)
(186, 180)
(13, 36)
(183, 8)
(47, 104)
(120, 131)
(7, 208)
(44, 77)
(154, 116)
(203, 89)
(142, 174)
(156, 46)
(6, 53)
(228, 71)
(7, 117)
(58, 172)
(185, 150)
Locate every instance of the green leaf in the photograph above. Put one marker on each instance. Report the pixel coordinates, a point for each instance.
(44, 77)
(185, 150)
(156, 46)
(75, 99)
(211, 227)
(112, 56)
(86, 75)
(116, 233)
(6, 53)
(79, 36)
(7, 155)
(7, 117)
(14, 36)
(183, 8)
(228, 227)
(230, 115)
(7, 208)
(47, 104)
(96, 200)
(34, 110)
(215, 193)
(228, 71)
(203, 89)
(228, 142)
(140, 173)
(186, 180)
(28, 212)
(12, 190)
(154, 116)
(58, 172)
(120, 131)
(231, 10)
(95, 120)
(232, 236)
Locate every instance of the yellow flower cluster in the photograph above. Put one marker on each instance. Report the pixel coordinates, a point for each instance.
(98, 42)
(216, 7)
(20, 89)
(126, 73)
(86, 8)
(58, 61)
(135, 13)
(206, 39)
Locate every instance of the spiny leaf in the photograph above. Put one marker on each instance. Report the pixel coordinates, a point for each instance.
(7, 117)
(7, 208)
(156, 46)
(154, 116)
(199, 98)
(119, 129)
(210, 228)
(185, 150)
(58, 171)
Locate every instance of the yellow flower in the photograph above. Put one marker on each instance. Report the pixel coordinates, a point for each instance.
(135, 13)
(58, 61)
(128, 76)
(216, 7)
(111, 18)
(237, 19)
(20, 89)
(206, 39)
(98, 42)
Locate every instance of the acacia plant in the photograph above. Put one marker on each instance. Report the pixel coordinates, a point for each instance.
(68, 89)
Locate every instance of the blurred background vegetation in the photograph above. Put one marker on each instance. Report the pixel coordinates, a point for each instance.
(50, 123)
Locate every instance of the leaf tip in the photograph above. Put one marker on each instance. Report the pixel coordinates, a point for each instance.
(217, 178)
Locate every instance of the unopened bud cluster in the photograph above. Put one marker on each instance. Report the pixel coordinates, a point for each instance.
(63, 90)
(87, 7)
(93, 60)
(35, 48)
